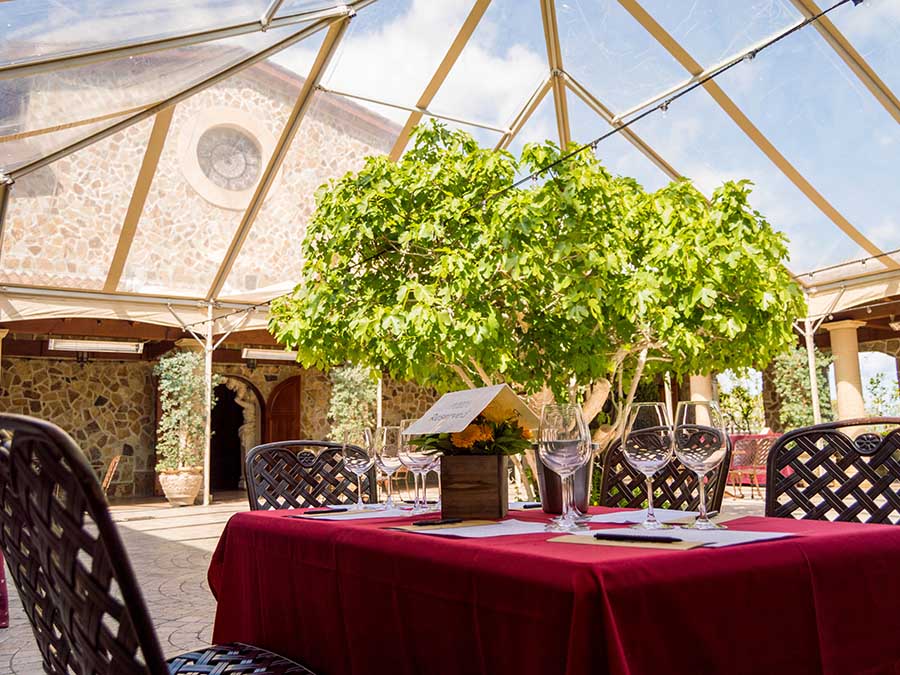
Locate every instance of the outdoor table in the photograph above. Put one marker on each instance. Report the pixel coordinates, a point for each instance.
(354, 597)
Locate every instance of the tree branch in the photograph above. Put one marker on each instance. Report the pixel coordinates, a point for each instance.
(481, 373)
(463, 375)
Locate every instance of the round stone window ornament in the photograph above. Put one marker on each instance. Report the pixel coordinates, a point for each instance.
(222, 154)
(230, 157)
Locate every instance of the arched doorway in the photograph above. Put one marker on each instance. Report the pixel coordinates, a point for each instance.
(284, 411)
(225, 448)
(237, 423)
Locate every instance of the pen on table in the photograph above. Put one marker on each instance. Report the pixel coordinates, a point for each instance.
(654, 539)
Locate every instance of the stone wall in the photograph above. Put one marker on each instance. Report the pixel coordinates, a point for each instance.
(404, 400)
(108, 407)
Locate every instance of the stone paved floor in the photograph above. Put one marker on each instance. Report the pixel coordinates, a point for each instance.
(170, 550)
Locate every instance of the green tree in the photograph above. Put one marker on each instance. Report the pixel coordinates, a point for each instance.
(743, 409)
(352, 406)
(575, 285)
(884, 400)
(791, 376)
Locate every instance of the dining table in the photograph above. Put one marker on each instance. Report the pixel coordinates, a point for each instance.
(362, 597)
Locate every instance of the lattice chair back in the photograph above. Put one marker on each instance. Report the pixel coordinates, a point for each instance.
(66, 558)
(824, 472)
(297, 474)
(675, 486)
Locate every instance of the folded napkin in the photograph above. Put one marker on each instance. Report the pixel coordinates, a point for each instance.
(708, 538)
(355, 514)
(479, 529)
(640, 515)
(580, 539)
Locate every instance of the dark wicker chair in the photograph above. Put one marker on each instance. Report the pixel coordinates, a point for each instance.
(821, 473)
(675, 486)
(73, 575)
(297, 474)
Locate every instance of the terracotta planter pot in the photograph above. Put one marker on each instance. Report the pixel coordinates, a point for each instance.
(181, 486)
(550, 486)
(474, 486)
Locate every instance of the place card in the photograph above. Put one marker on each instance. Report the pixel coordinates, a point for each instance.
(581, 539)
(482, 530)
(453, 412)
(354, 514)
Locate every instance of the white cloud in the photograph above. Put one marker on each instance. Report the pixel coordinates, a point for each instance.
(394, 61)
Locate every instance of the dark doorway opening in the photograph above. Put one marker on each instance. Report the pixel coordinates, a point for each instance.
(225, 450)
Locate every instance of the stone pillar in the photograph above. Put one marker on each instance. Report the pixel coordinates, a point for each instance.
(701, 387)
(3, 333)
(848, 382)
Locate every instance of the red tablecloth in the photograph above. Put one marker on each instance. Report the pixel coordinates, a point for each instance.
(4, 597)
(356, 598)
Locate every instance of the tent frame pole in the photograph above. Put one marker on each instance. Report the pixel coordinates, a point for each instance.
(208, 349)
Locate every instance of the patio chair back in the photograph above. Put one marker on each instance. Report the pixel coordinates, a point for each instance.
(824, 473)
(298, 474)
(675, 486)
(67, 559)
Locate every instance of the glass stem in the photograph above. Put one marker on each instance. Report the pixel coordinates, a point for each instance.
(439, 487)
(651, 517)
(359, 499)
(390, 494)
(568, 513)
(416, 498)
(702, 517)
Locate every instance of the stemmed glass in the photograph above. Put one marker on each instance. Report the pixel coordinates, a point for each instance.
(416, 460)
(564, 444)
(700, 446)
(384, 443)
(435, 466)
(359, 460)
(647, 446)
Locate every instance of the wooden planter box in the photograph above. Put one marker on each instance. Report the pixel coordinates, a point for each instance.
(474, 486)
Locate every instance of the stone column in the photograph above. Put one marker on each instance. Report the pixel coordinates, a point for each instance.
(848, 382)
(3, 333)
(701, 387)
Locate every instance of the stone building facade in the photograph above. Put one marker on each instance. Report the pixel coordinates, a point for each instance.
(63, 222)
(109, 407)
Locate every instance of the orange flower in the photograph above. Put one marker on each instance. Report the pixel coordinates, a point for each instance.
(526, 432)
(471, 435)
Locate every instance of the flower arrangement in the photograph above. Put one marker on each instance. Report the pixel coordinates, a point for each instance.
(491, 433)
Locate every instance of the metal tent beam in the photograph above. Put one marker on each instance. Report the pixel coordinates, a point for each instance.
(185, 93)
(4, 202)
(730, 108)
(326, 51)
(554, 58)
(72, 125)
(434, 85)
(594, 103)
(421, 112)
(854, 60)
(269, 14)
(521, 119)
(50, 292)
(63, 61)
(139, 196)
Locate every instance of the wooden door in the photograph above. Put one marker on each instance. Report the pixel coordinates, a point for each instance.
(283, 412)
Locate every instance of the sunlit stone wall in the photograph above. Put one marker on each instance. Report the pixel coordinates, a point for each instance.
(64, 221)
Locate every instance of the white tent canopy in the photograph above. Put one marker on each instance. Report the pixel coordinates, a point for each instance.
(813, 121)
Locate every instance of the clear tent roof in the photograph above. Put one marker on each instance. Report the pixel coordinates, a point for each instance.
(162, 152)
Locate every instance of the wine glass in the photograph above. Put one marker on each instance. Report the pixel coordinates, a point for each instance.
(647, 446)
(384, 443)
(564, 445)
(700, 446)
(359, 457)
(416, 460)
(435, 466)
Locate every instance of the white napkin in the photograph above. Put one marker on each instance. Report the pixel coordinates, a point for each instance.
(502, 529)
(710, 538)
(389, 513)
(639, 516)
